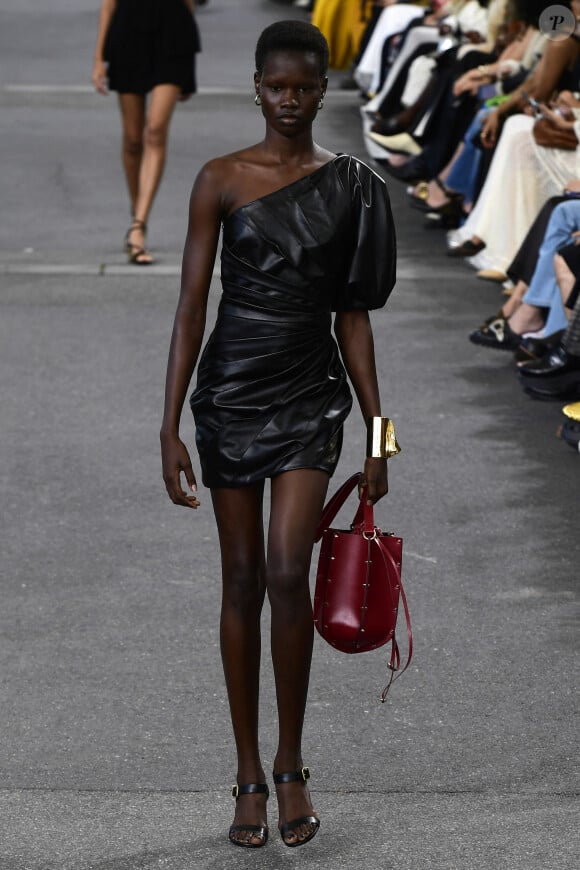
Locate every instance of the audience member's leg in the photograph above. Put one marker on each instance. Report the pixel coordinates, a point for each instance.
(544, 291)
(524, 263)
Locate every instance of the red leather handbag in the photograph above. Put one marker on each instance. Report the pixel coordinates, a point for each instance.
(358, 583)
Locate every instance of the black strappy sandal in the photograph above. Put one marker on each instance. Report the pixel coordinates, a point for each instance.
(137, 254)
(302, 775)
(261, 831)
(451, 194)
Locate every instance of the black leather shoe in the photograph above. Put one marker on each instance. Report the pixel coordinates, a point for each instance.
(496, 334)
(412, 171)
(554, 376)
(388, 126)
(446, 217)
(537, 348)
(466, 249)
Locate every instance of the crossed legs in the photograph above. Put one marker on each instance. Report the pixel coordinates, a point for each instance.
(281, 569)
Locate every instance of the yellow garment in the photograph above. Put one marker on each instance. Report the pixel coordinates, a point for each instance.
(342, 23)
(572, 411)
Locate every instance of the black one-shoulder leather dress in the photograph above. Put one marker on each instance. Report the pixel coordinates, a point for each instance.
(272, 392)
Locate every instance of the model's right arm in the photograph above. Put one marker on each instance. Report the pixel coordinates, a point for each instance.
(205, 213)
(99, 76)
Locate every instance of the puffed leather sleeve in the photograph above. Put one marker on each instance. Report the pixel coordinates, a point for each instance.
(371, 273)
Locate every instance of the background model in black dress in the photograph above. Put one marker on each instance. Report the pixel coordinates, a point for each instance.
(150, 43)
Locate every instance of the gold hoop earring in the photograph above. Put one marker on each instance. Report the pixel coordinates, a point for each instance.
(258, 100)
(321, 103)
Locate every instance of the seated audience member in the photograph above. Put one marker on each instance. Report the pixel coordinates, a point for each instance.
(417, 81)
(550, 292)
(422, 60)
(465, 172)
(439, 119)
(557, 374)
(389, 26)
(547, 156)
(515, 190)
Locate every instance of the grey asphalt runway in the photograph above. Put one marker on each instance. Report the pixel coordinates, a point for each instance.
(116, 749)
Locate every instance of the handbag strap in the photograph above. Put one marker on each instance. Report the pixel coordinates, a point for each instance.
(335, 503)
(395, 661)
(364, 519)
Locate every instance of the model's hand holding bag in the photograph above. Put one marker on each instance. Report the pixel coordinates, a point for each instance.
(358, 583)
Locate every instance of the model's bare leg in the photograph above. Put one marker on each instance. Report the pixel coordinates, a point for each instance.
(132, 108)
(297, 502)
(159, 112)
(145, 133)
(240, 525)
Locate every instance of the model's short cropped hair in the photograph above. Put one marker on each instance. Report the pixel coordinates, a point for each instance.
(292, 36)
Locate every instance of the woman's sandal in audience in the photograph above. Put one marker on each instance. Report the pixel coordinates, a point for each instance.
(497, 334)
(468, 248)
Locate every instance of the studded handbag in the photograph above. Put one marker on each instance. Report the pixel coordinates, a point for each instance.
(358, 583)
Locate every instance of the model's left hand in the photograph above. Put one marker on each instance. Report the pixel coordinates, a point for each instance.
(99, 76)
(375, 478)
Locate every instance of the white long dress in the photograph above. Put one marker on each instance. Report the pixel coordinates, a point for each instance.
(521, 177)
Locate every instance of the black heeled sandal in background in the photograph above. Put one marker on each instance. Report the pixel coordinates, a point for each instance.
(254, 831)
(420, 200)
(290, 828)
(137, 254)
(449, 216)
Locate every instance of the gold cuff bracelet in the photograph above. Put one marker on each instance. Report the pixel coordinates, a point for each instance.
(381, 438)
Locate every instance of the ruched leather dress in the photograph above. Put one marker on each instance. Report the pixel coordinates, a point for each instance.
(272, 392)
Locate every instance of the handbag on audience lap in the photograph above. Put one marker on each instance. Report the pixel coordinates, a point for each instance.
(547, 135)
(358, 583)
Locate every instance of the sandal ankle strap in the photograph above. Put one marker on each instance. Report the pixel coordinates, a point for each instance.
(239, 791)
(301, 775)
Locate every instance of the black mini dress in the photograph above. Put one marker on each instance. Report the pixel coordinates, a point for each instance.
(272, 392)
(150, 43)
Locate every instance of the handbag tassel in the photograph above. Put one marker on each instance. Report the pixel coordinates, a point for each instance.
(395, 660)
